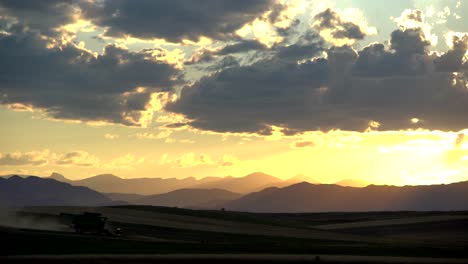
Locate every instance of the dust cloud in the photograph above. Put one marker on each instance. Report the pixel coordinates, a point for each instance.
(18, 219)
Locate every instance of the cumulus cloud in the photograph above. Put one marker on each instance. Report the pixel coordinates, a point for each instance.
(69, 82)
(250, 98)
(455, 58)
(407, 56)
(174, 20)
(78, 158)
(32, 158)
(40, 158)
(336, 29)
(416, 19)
(391, 85)
(191, 159)
(44, 16)
(329, 19)
(294, 83)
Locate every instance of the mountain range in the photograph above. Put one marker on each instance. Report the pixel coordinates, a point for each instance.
(190, 198)
(306, 197)
(19, 191)
(108, 183)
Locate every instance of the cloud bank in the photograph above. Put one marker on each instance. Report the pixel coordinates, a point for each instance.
(391, 85)
(308, 78)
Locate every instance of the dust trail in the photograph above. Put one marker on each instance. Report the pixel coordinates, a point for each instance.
(18, 219)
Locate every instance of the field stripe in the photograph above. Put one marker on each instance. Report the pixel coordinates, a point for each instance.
(390, 222)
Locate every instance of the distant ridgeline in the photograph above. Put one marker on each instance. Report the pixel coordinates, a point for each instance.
(16, 191)
(305, 197)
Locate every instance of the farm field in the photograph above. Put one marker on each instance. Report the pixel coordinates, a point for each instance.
(169, 231)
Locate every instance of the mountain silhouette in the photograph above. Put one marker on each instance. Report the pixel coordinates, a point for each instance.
(300, 178)
(17, 191)
(127, 197)
(193, 198)
(58, 177)
(306, 197)
(252, 182)
(108, 183)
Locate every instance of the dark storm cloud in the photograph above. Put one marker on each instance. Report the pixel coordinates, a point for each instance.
(452, 60)
(409, 41)
(408, 56)
(68, 82)
(329, 19)
(306, 47)
(347, 90)
(392, 86)
(253, 87)
(175, 20)
(249, 98)
(275, 13)
(44, 16)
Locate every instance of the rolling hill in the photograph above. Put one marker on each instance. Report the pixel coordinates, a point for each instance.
(306, 197)
(253, 182)
(17, 191)
(190, 198)
(127, 197)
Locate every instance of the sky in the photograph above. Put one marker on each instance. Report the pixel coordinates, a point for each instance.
(370, 90)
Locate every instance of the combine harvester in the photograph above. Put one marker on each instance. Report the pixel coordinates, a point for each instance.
(90, 223)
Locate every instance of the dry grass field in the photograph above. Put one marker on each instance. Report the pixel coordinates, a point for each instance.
(411, 237)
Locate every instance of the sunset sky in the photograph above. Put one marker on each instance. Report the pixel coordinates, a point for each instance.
(363, 89)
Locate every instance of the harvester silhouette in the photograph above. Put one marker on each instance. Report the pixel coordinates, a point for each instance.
(90, 223)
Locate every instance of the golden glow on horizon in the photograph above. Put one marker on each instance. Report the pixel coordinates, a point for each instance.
(408, 157)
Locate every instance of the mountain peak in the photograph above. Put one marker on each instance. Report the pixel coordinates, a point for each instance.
(58, 177)
(36, 191)
(15, 177)
(106, 176)
(302, 184)
(302, 178)
(259, 175)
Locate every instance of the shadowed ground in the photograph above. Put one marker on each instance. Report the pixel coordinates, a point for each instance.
(172, 235)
